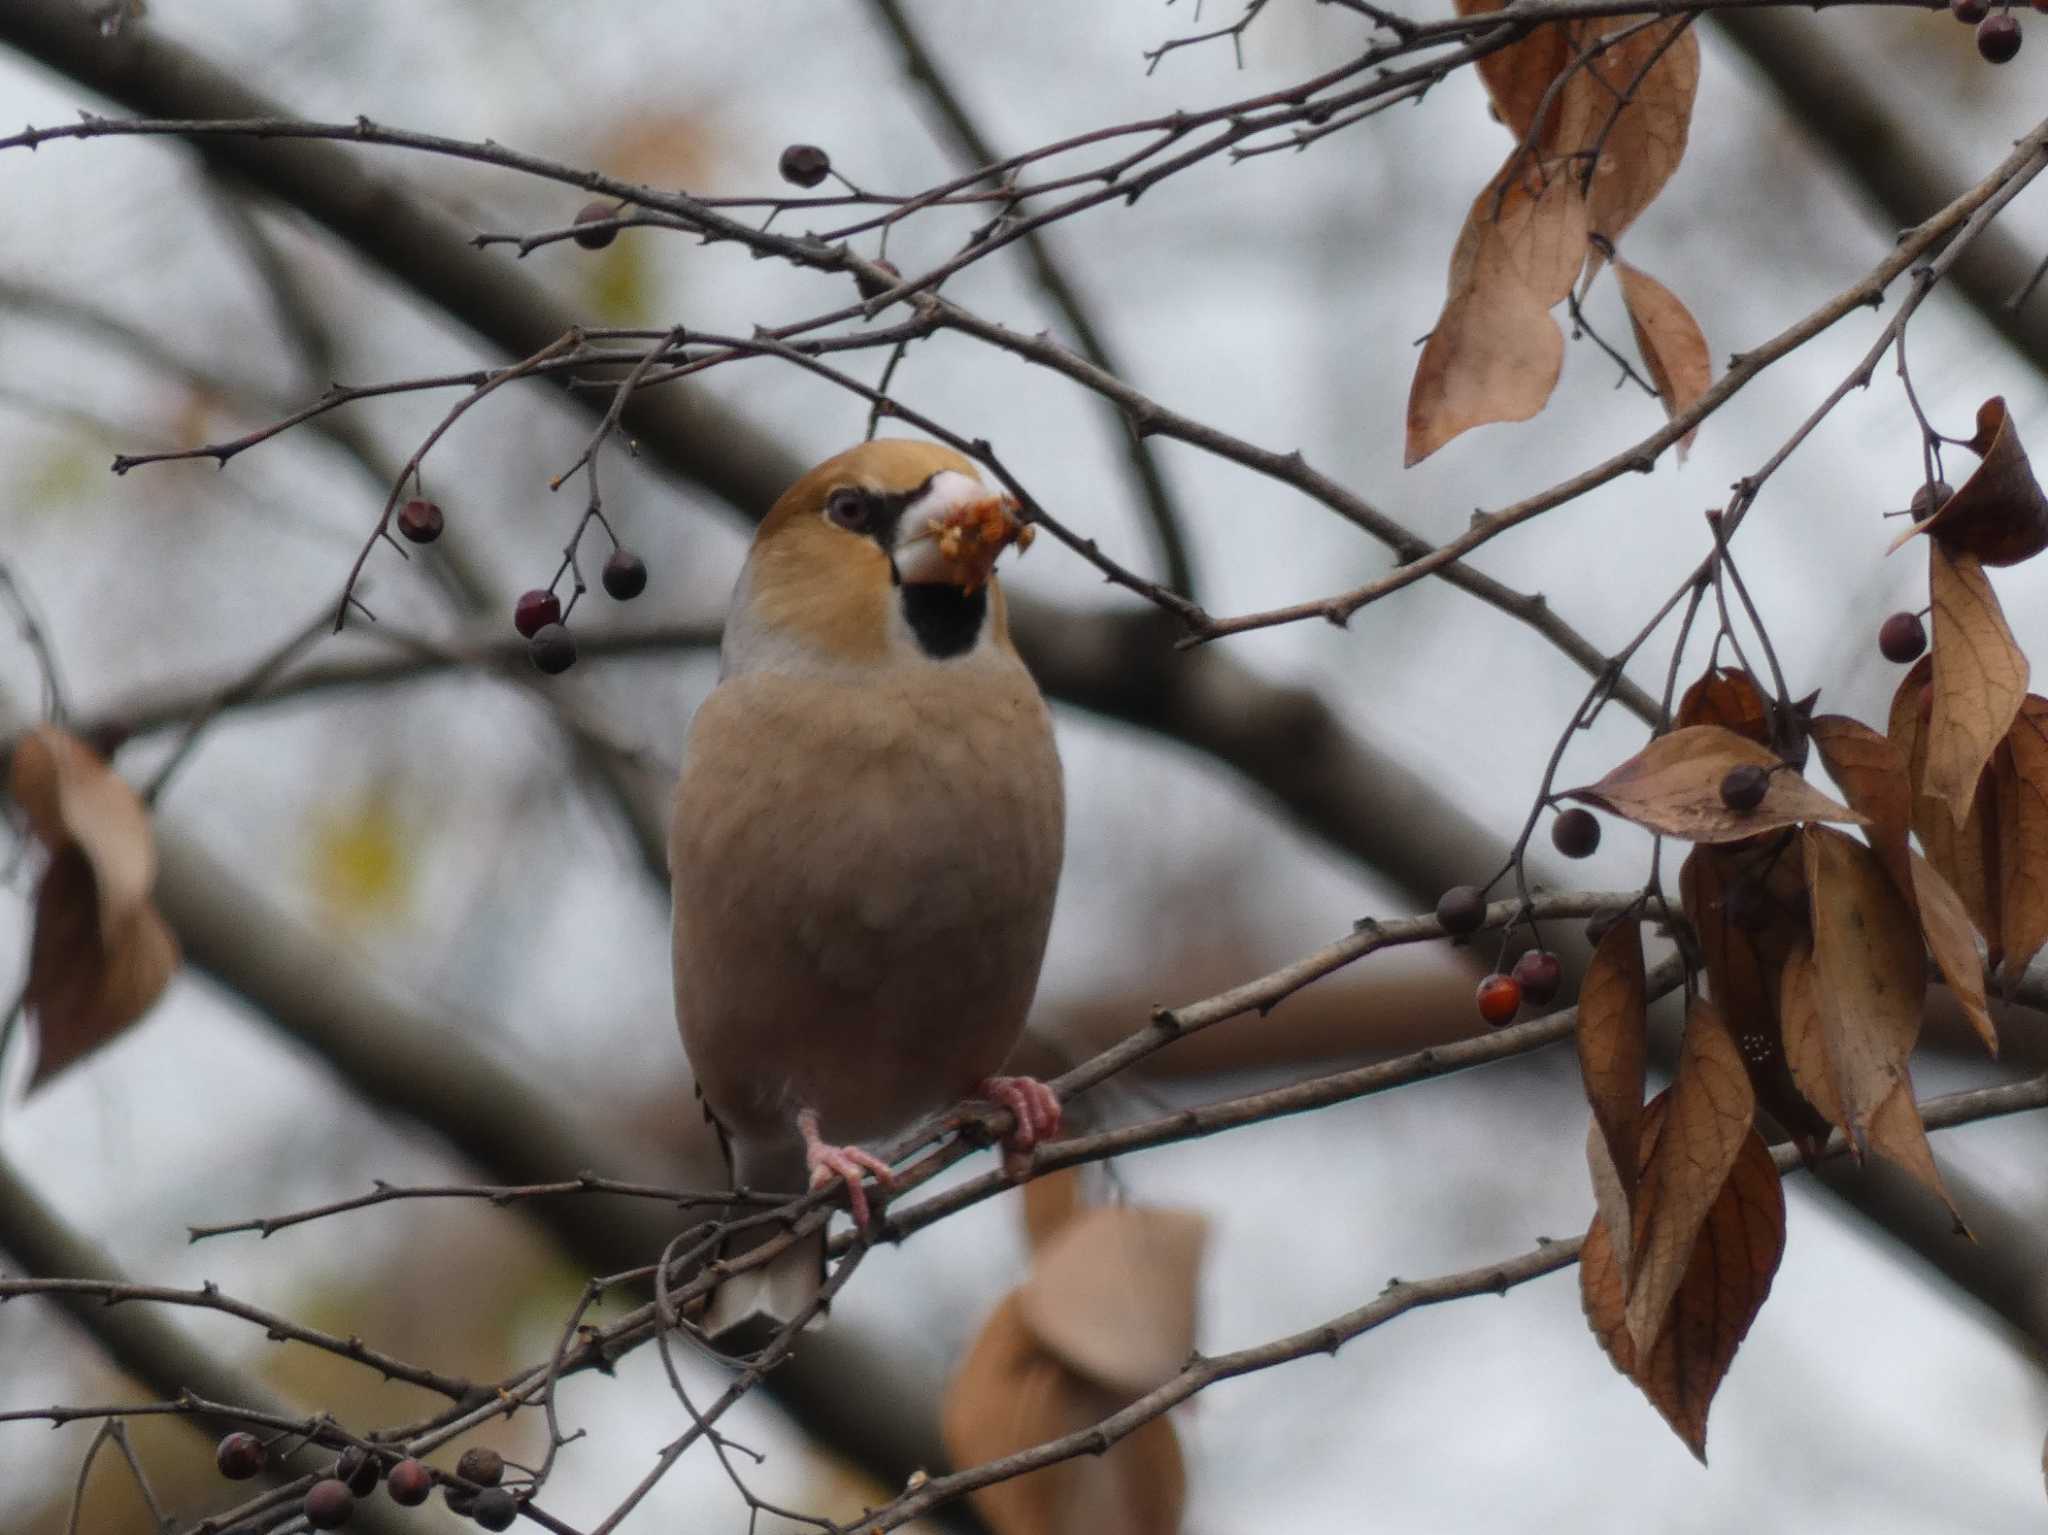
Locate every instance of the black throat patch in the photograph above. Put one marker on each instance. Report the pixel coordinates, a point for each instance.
(945, 619)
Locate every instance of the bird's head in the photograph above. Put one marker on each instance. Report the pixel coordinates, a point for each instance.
(885, 552)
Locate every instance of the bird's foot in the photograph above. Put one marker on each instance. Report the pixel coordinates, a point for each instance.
(1036, 1109)
(842, 1164)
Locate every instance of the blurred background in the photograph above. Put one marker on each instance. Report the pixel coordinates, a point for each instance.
(427, 939)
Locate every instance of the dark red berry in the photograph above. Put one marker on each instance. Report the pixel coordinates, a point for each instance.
(359, 1469)
(535, 610)
(1500, 997)
(420, 521)
(552, 649)
(625, 575)
(871, 287)
(596, 239)
(1998, 38)
(495, 1509)
(1969, 11)
(1928, 499)
(1539, 975)
(482, 1465)
(329, 1504)
(239, 1456)
(460, 1500)
(1461, 909)
(1744, 786)
(1902, 637)
(1575, 833)
(805, 165)
(409, 1483)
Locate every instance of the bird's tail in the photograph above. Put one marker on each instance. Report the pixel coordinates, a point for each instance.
(748, 1309)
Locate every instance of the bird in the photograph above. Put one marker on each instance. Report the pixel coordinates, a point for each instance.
(864, 848)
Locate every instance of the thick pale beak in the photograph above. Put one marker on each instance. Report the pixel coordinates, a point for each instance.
(954, 531)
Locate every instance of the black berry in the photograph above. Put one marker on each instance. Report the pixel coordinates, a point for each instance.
(420, 521)
(625, 575)
(535, 610)
(482, 1465)
(329, 1504)
(595, 239)
(1929, 498)
(460, 1500)
(239, 1456)
(1461, 909)
(1539, 974)
(1902, 637)
(495, 1509)
(1575, 833)
(1969, 11)
(552, 649)
(805, 165)
(409, 1483)
(1744, 786)
(1998, 38)
(359, 1469)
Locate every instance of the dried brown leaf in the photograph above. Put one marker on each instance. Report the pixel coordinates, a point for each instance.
(1898, 1135)
(2020, 776)
(1518, 77)
(1870, 977)
(1673, 347)
(1999, 514)
(1966, 855)
(1806, 1042)
(1673, 786)
(1049, 1203)
(1946, 924)
(1112, 1294)
(1733, 1261)
(71, 796)
(1009, 1395)
(1633, 103)
(1873, 776)
(1979, 678)
(1613, 1045)
(1729, 697)
(1765, 885)
(1710, 1109)
(1495, 352)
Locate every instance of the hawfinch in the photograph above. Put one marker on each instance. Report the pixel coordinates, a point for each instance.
(865, 842)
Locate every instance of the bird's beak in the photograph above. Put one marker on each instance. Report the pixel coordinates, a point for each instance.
(954, 531)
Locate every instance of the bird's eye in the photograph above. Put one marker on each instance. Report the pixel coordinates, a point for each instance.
(851, 509)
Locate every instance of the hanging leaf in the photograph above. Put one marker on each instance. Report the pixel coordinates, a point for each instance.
(1979, 678)
(1727, 1278)
(2020, 773)
(1669, 338)
(1999, 515)
(1049, 1203)
(1613, 1046)
(1729, 697)
(1946, 924)
(1966, 855)
(1870, 979)
(101, 954)
(1112, 1295)
(1706, 1121)
(1873, 776)
(1747, 905)
(1673, 786)
(1495, 352)
(1518, 77)
(1633, 102)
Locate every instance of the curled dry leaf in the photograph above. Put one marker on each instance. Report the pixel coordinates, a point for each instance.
(1946, 923)
(1766, 882)
(2020, 773)
(1613, 1049)
(1999, 514)
(1673, 786)
(1873, 776)
(1010, 1394)
(1870, 979)
(1729, 697)
(1673, 347)
(1965, 855)
(101, 954)
(1734, 1258)
(1708, 1114)
(1518, 77)
(1633, 103)
(1049, 1203)
(1979, 678)
(1112, 1295)
(1495, 352)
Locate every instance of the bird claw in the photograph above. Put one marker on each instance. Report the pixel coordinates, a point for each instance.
(1036, 1109)
(843, 1164)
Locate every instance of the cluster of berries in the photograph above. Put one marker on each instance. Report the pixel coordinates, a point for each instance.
(331, 1502)
(1998, 33)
